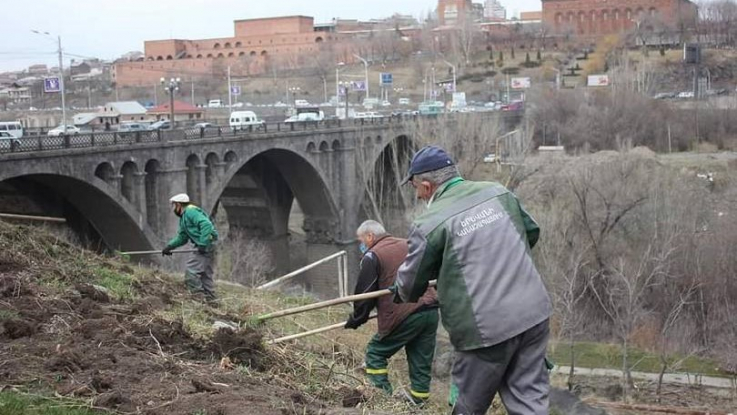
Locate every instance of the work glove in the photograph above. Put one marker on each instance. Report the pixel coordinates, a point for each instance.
(166, 251)
(351, 323)
(202, 250)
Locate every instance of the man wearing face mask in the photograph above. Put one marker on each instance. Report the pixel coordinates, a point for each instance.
(475, 239)
(196, 227)
(409, 326)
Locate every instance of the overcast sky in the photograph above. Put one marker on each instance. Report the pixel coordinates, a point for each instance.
(109, 28)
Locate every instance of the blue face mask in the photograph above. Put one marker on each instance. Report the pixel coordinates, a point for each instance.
(363, 248)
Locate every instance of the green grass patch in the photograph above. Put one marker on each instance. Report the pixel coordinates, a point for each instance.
(120, 285)
(609, 356)
(13, 403)
(8, 315)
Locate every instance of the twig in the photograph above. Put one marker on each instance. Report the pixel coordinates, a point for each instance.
(161, 352)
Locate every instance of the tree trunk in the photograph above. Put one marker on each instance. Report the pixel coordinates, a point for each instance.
(573, 365)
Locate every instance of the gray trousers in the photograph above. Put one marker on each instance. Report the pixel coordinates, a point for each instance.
(200, 273)
(515, 369)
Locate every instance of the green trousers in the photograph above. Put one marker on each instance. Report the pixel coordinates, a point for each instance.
(417, 335)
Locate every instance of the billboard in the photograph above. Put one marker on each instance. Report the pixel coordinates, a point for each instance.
(358, 86)
(52, 84)
(598, 80)
(520, 83)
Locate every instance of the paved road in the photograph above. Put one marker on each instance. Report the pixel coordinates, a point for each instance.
(671, 378)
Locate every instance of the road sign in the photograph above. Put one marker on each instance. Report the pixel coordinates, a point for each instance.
(235, 90)
(358, 85)
(52, 84)
(386, 79)
(343, 90)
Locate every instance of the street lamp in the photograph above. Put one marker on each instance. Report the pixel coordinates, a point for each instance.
(365, 66)
(294, 90)
(337, 85)
(454, 73)
(61, 79)
(345, 86)
(171, 87)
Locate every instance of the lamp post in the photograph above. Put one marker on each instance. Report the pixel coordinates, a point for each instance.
(295, 90)
(365, 66)
(171, 87)
(61, 79)
(345, 86)
(453, 67)
(337, 85)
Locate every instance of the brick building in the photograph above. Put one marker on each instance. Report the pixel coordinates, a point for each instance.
(597, 18)
(291, 39)
(451, 12)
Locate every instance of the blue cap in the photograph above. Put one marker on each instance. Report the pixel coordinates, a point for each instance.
(429, 158)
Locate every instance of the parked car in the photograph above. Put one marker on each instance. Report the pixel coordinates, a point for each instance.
(7, 141)
(686, 95)
(204, 125)
(244, 119)
(514, 106)
(301, 103)
(128, 127)
(70, 130)
(386, 103)
(160, 125)
(215, 103)
(237, 105)
(13, 128)
(665, 95)
(715, 92)
(404, 101)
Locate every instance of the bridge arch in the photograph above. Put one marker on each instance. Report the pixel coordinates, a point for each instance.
(93, 209)
(385, 166)
(257, 195)
(105, 172)
(127, 180)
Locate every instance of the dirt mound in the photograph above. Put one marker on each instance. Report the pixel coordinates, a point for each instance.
(240, 346)
(63, 333)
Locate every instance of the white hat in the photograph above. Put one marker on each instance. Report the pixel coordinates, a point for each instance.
(180, 198)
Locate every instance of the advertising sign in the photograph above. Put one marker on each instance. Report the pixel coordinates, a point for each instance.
(598, 80)
(358, 86)
(52, 84)
(520, 83)
(235, 90)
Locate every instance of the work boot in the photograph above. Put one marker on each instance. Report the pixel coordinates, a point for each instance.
(404, 396)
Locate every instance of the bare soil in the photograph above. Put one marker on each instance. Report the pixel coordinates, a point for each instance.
(75, 340)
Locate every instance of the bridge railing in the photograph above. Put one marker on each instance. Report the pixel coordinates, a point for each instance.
(103, 139)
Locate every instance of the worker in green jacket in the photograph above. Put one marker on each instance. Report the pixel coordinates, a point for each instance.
(196, 227)
(475, 239)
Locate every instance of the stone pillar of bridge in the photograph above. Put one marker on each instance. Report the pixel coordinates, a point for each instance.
(139, 195)
(201, 198)
(169, 183)
(115, 180)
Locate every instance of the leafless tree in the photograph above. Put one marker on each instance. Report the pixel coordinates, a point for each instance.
(244, 259)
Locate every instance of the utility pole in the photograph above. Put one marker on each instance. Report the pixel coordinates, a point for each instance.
(156, 96)
(193, 103)
(63, 91)
(230, 95)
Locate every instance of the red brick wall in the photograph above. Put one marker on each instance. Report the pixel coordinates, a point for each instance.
(589, 17)
(274, 26)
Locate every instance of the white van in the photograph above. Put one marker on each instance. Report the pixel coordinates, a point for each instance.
(14, 128)
(241, 120)
(215, 103)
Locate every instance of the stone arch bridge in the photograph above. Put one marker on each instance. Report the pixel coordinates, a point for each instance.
(115, 188)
